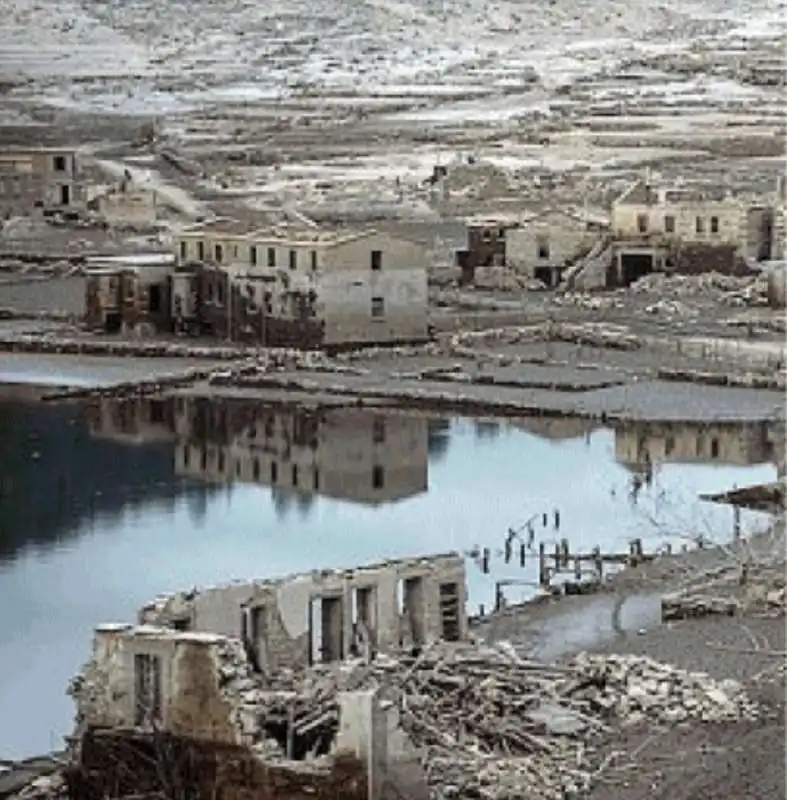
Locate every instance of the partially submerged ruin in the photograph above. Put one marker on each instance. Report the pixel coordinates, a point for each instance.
(264, 689)
(157, 706)
(328, 615)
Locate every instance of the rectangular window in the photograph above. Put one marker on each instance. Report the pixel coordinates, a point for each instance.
(60, 163)
(253, 255)
(218, 252)
(314, 261)
(378, 307)
(714, 224)
(378, 430)
(147, 689)
(699, 225)
(642, 223)
(543, 248)
(293, 259)
(669, 224)
(271, 256)
(377, 260)
(183, 250)
(200, 251)
(378, 477)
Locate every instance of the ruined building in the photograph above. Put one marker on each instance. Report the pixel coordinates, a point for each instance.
(329, 615)
(298, 286)
(213, 693)
(486, 243)
(129, 295)
(687, 229)
(158, 708)
(45, 178)
(546, 243)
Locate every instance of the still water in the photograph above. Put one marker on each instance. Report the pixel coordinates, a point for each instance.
(104, 506)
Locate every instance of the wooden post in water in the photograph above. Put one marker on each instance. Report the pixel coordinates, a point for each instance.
(599, 563)
(543, 572)
(564, 548)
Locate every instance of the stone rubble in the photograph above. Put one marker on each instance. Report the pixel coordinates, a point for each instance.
(486, 722)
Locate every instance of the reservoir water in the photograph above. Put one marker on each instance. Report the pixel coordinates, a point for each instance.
(104, 505)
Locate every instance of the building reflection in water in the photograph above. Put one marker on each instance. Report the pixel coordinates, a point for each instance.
(345, 453)
(638, 444)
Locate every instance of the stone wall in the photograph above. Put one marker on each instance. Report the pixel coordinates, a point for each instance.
(190, 701)
(697, 258)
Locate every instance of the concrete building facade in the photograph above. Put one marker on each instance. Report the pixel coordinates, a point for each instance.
(301, 285)
(46, 178)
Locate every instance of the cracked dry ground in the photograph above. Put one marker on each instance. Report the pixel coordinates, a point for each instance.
(694, 761)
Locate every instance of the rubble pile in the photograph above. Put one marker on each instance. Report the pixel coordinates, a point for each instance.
(505, 279)
(634, 687)
(589, 334)
(727, 289)
(486, 722)
(589, 302)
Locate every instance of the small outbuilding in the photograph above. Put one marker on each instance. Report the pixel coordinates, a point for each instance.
(542, 246)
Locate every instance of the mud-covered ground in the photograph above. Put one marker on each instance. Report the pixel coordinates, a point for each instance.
(344, 109)
(687, 761)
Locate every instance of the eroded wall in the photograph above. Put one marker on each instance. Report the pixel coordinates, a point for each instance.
(190, 704)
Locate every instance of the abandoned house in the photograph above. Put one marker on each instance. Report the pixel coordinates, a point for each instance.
(128, 294)
(46, 178)
(486, 244)
(686, 229)
(159, 707)
(345, 453)
(543, 245)
(328, 615)
(298, 286)
(724, 443)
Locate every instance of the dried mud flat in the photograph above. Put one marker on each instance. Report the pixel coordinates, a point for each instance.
(345, 108)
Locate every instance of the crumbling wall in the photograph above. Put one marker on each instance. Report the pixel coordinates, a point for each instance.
(133, 764)
(191, 702)
(412, 602)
